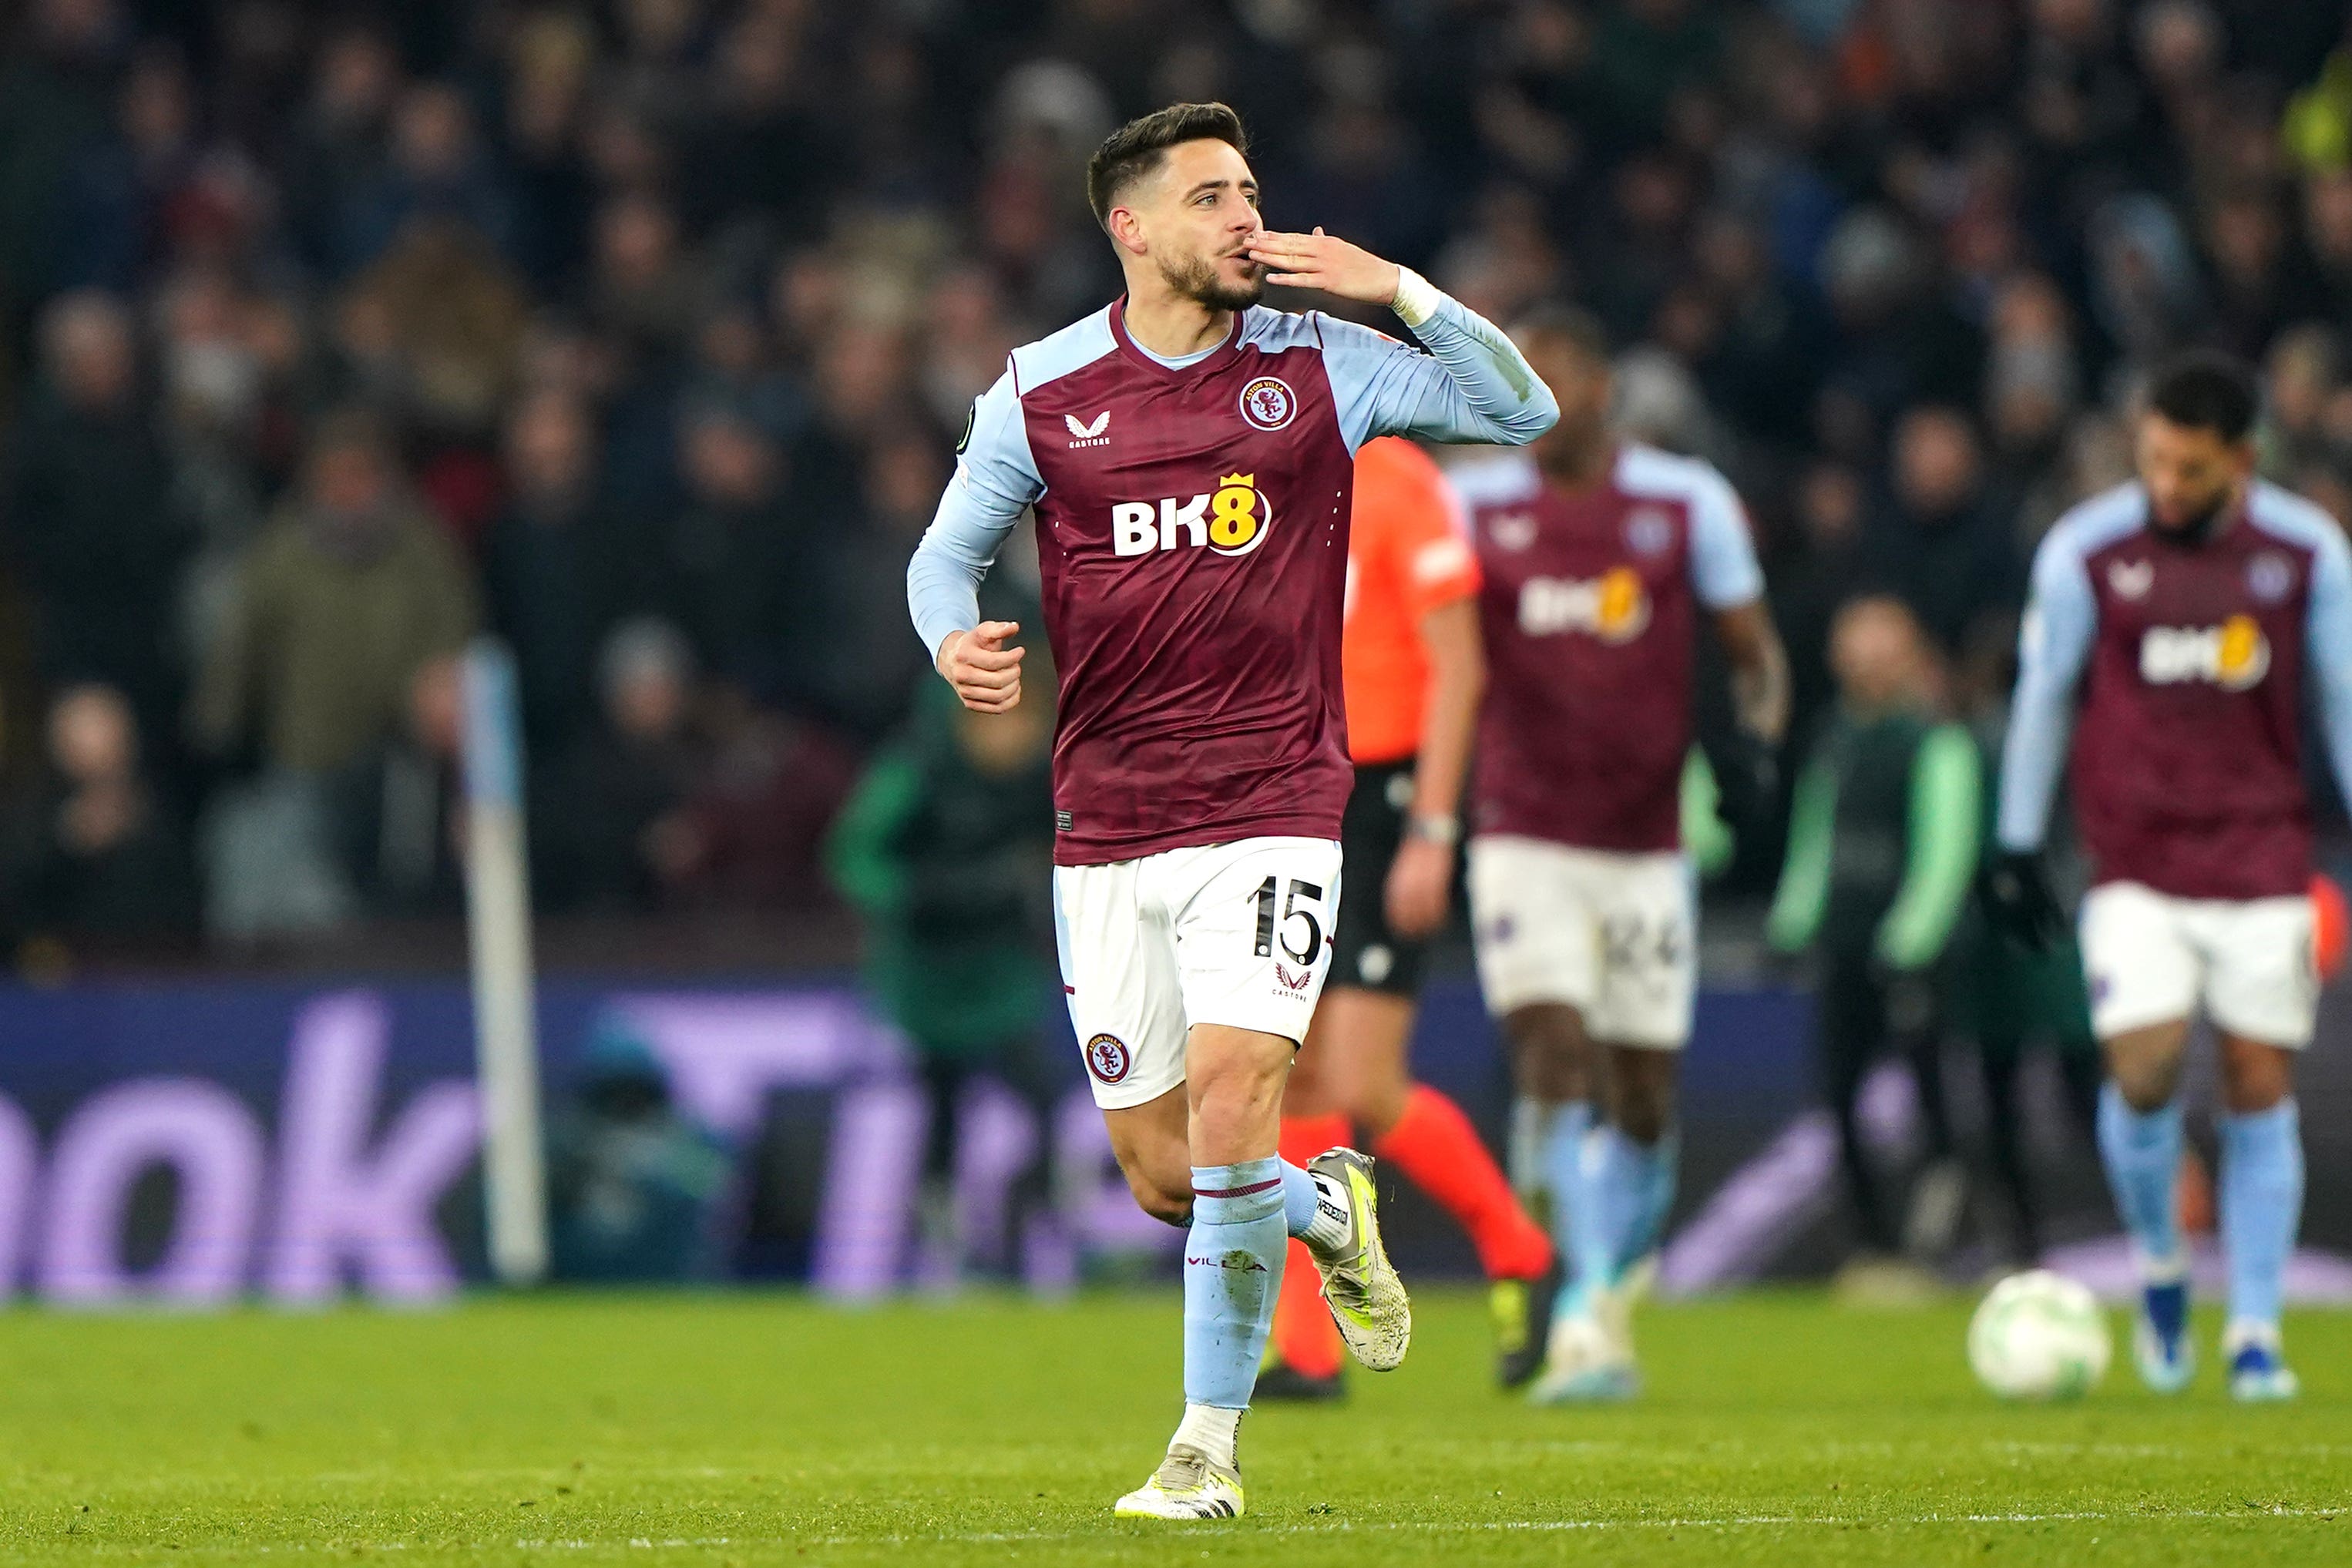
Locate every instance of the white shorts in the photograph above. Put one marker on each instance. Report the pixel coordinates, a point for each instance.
(1612, 935)
(2150, 958)
(1236, 934)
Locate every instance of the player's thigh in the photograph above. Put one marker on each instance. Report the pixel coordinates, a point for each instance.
(1252, 930)
(1120, 977)
(1534, 930)
(1649, 949)
(2262, 979)
(2138, 964)
(1152, 1142)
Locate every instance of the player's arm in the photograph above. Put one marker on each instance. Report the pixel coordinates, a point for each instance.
(1803, 896)
(1727, 578)
(2328, 644)
(2053, 642)
(1473, 385)
(995, 480)
(1945, 825)
(1421, 880)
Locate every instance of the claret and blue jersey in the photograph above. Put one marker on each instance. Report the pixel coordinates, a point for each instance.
(2193, 658)
(1192, 541)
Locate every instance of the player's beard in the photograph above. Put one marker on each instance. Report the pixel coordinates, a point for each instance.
(1197, 278)
(2196, 528)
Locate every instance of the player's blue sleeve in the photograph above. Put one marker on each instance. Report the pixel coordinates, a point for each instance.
(1723, 565)
(2328, 644)
(995, 480)
(1472, 386)
(2052, 644)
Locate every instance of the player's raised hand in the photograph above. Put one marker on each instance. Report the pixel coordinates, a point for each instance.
(1324, 261)
(984, 673)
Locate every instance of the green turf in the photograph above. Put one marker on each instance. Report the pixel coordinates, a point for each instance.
(758, 1429)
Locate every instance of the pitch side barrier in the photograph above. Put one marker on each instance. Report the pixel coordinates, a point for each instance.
(195, 1143)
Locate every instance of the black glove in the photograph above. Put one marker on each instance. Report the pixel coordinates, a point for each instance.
(2018, 901)
(1747, 782)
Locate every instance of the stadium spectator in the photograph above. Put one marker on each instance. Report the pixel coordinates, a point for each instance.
(561, 566)
(351, 589)
(613, 829)
(95, 853)
(1942, 541)
(91, 528)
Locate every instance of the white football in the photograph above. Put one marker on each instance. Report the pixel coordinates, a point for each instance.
(2039, 1336)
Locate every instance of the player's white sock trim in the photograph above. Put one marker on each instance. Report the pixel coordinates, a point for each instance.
(1330, 1232)
(2161, 1270)
(1212, 1429)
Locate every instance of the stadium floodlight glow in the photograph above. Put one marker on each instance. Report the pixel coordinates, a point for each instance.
(497, 920)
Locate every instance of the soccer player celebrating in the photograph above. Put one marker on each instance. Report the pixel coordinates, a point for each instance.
(1410, 654)
(1190, 456)
(2174, 625)
(1599, 558)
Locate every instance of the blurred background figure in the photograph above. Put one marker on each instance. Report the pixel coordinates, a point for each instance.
(95, 854)
(635, 1184)
(1883, 844)
(946, 850)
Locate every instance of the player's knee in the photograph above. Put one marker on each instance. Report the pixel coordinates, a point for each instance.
(1164, 1203)
(2254, 1077)
(1644, 1111)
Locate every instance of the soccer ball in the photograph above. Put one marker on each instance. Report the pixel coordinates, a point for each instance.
(2039, 1336)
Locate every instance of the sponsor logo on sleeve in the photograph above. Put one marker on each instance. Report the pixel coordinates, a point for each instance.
(1269, 402)
(1107, 1058)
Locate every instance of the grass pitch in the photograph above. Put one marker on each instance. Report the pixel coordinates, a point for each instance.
(764, 1429)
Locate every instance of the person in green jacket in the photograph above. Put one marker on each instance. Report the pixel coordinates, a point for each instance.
(1883, 840)
(946, 849)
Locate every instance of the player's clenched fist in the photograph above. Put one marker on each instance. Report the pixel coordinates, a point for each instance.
(1326, 262)
(984, 673)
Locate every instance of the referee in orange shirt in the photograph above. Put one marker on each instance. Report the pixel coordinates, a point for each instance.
(1413, 671)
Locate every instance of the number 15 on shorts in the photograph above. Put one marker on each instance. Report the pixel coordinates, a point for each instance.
(1301, 918)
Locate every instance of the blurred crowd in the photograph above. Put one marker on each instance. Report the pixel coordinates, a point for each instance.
(640, 333)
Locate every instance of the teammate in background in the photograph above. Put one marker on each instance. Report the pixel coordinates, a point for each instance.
(1599, 559)
(1409, 651)
(2183, 615)
(1190, 456)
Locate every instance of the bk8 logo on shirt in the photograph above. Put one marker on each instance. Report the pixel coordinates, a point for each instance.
(1232, 519)
(1613, 607)
(2234, 655)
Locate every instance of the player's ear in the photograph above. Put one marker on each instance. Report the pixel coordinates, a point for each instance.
(1126, 231)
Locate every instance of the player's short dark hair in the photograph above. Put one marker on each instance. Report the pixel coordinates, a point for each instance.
(1572, 324)
(1135, 150)
(2206, 392)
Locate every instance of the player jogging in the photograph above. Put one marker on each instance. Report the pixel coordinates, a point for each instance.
(1599, 558)
(1190, 456)
(2175, 624)
(1413, 673)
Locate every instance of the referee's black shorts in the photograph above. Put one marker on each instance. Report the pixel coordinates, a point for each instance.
(1365, 953)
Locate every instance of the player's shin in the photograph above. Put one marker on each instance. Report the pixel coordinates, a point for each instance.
(1570, 1196)
(2260, 1208)
(2141, 1150)
(1233, 1271)
(1433, 1143)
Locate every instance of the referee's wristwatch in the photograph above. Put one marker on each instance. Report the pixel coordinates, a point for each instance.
(1446, 830)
